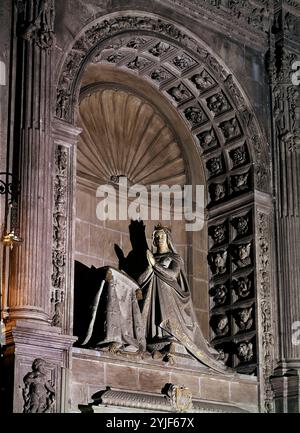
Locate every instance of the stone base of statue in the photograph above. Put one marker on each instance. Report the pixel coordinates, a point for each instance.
(127, 382)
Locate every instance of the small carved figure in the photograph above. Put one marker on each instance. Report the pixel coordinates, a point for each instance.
(245, 351)
(38, 394)
(159, 49)
(244, 319)
(62, 103)
(220, 294)
(218, 233)
(183, 62)
(241, 224)
(136, 42)
(230, 129)
(239, 182)
(41, 27)
(203, 81)
(223, 356)
(218, 103)
(238, 156)
(179, 93)
(114, 58)
(207, 139)
(138, 63)
(218, 262)
(242, 287)
(220, 325)
(61, 160)
(217, 191)
(215, 165)
(59, 231)
(243, 255)
(194, 115)
(57, 308)
(160, 75)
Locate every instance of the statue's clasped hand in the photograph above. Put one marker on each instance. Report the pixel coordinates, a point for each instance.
(150, 258)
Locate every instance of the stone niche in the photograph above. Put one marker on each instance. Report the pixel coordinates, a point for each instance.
(130, 131)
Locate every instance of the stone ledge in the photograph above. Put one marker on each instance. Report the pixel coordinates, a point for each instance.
(150, 376)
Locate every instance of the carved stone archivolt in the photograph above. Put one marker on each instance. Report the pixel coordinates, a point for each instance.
(191, 71)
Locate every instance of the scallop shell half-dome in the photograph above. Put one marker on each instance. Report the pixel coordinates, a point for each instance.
(123, 135)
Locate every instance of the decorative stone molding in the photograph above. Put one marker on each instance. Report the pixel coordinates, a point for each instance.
(60, 216)
(181, 401)
(284, 51)
(264, 305)
(242, 19)
(65, 139)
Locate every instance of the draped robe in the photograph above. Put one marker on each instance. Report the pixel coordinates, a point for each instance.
(168, 310)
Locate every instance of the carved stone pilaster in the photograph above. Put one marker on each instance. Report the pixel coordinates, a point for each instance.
(264, 306)
(61, 296)
(31, 267)
(285, 52)
(35, 372)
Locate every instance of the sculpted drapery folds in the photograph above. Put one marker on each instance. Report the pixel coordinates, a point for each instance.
(152, 316)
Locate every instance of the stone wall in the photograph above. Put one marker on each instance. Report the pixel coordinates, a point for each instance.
(92, 372)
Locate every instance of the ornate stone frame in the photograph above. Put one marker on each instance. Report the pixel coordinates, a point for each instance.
(87, 44)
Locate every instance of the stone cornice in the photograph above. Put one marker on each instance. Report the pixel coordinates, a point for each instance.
(247, 21)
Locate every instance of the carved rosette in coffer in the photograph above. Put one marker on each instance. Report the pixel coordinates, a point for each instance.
(232, 291)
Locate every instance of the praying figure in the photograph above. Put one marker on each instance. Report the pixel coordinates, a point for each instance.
(167, 309)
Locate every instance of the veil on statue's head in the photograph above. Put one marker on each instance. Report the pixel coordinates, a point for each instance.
(167, 231)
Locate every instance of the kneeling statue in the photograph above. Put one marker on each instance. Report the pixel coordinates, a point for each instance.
(155, 313)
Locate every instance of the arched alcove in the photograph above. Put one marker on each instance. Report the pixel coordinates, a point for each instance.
(223, 131)
(129, 129)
